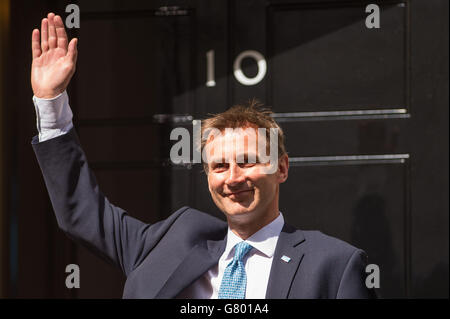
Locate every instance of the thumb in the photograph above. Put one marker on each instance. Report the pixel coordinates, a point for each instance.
(73, 51)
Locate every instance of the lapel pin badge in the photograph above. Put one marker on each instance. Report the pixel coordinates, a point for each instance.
(286, 258)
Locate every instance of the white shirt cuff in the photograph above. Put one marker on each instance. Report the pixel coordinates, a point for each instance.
(53, 116)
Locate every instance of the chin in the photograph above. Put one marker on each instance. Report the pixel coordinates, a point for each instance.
(238, 210)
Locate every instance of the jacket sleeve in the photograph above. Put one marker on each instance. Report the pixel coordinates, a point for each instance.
(85, 214)
(353, 280)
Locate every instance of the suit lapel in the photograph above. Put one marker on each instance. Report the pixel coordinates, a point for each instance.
(282, 273)
(197, 262)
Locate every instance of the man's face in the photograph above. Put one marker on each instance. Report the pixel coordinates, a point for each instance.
(241, 189)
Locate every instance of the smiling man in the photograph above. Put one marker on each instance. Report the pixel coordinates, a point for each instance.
(191, 254)
(238, 179)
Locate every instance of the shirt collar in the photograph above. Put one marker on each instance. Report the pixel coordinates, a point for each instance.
(264, 240)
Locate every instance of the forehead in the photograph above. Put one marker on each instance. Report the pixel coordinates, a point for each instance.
(232, 142)
(235, 137)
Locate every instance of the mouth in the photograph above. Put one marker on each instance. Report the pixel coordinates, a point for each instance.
(239, 193)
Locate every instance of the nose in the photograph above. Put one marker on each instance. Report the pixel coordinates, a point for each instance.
(236, 175)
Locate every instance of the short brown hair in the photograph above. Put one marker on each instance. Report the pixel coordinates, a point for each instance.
(252, 113)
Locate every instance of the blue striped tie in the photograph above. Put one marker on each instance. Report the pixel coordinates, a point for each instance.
(234, 279)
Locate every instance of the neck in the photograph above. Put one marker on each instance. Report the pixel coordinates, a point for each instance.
(246, 228)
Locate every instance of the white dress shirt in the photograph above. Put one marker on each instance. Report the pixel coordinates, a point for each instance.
(54, 118)
(258, 263)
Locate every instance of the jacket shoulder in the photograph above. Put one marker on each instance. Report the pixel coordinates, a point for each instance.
(198, 223)
(323, 243)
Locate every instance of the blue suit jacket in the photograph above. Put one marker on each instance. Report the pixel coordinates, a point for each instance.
(162, 259)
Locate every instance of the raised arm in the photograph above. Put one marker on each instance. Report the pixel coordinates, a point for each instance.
(81, 209)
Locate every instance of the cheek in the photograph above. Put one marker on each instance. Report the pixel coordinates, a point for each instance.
(214, 184)
(266, 184)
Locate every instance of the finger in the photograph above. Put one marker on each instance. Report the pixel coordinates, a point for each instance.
(52, 40)
(73, 51)
(60, 33)
(44, 35)
(35, 46)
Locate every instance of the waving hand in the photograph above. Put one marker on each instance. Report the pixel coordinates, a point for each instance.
(54, 59)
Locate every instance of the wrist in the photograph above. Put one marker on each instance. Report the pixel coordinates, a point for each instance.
(48, 95)
(48, 98)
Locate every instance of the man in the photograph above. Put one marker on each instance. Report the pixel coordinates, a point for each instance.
(190, 254)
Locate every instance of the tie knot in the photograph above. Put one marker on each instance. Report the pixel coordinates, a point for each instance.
(241, 250)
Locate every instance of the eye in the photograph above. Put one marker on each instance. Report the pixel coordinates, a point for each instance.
(249, 161)
(219, 166)
(246, 165)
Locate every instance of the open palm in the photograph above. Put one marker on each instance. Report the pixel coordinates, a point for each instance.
(54, 60)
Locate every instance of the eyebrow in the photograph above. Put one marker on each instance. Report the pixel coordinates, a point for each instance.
(218, 159)
(246, 157)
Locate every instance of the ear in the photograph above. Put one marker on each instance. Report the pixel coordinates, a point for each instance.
(283, 168)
